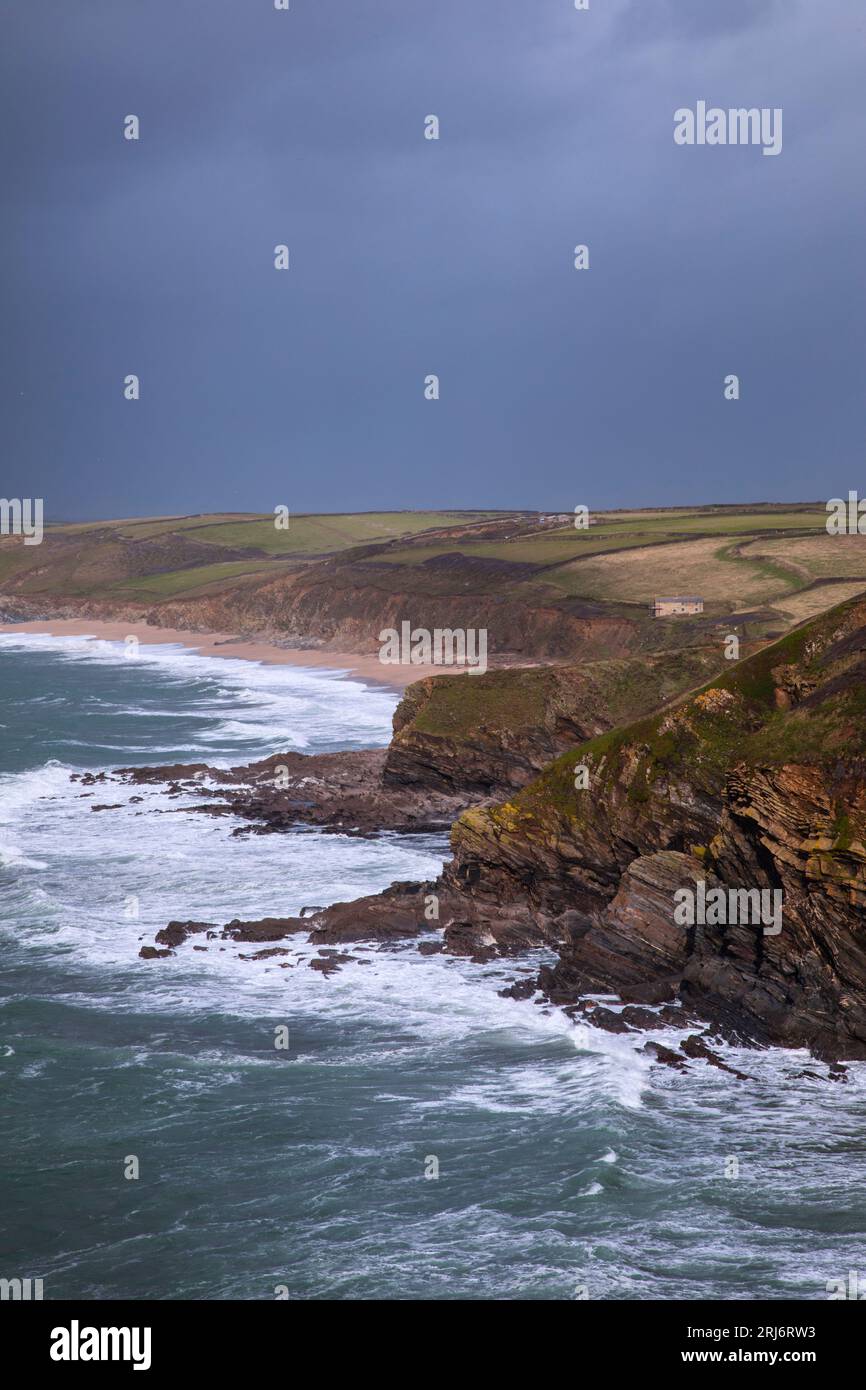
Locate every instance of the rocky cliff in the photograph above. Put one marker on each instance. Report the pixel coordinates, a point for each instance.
(756, 782)
(494, 733)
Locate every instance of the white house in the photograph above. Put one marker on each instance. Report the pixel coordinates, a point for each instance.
(680, 603)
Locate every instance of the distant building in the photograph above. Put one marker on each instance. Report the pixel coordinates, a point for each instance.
(681, 603)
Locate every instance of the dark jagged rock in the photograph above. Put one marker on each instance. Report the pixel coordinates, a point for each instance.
(339, 792)
(520, 989)
(638, 1017)
(327, 963)
(608, 1019)
(695, 1047)
(394, 915)
(635, 940)
(267, 954)
(177, 932)
(266, 929)
(666, 1056)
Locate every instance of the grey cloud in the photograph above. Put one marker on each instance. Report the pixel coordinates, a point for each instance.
(411, 256)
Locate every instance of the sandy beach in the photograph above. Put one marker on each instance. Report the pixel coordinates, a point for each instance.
(349, 664)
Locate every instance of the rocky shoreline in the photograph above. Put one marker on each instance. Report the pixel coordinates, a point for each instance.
(757, 781)
(344, 793)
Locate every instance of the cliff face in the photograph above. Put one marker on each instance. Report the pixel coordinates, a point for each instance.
(347, 606)
(757, 782)
(494, 733)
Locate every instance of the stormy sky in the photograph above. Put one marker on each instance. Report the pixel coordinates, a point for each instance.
(410, 257)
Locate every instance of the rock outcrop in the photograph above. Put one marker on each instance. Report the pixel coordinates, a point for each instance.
(343, 793)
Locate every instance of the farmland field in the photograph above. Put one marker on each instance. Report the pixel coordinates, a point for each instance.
(818, 557)
(736, 559)
(704, 567)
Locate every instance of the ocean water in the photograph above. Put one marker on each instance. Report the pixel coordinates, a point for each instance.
(568, 1165)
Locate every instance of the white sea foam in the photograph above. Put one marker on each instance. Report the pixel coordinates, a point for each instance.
(622, 1064)
(11, 857)
(74, 874)
(20, 791)
(178, 864)
(239, 701)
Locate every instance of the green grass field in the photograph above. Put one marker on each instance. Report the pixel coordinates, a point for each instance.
(759, 557)
(165, 557)
(565, 544)
(177, 583)
(306, 535)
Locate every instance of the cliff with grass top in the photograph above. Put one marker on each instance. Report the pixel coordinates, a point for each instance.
(493, 733)
(756, 781)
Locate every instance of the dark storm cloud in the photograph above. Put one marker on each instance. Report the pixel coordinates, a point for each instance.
(411, 257)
